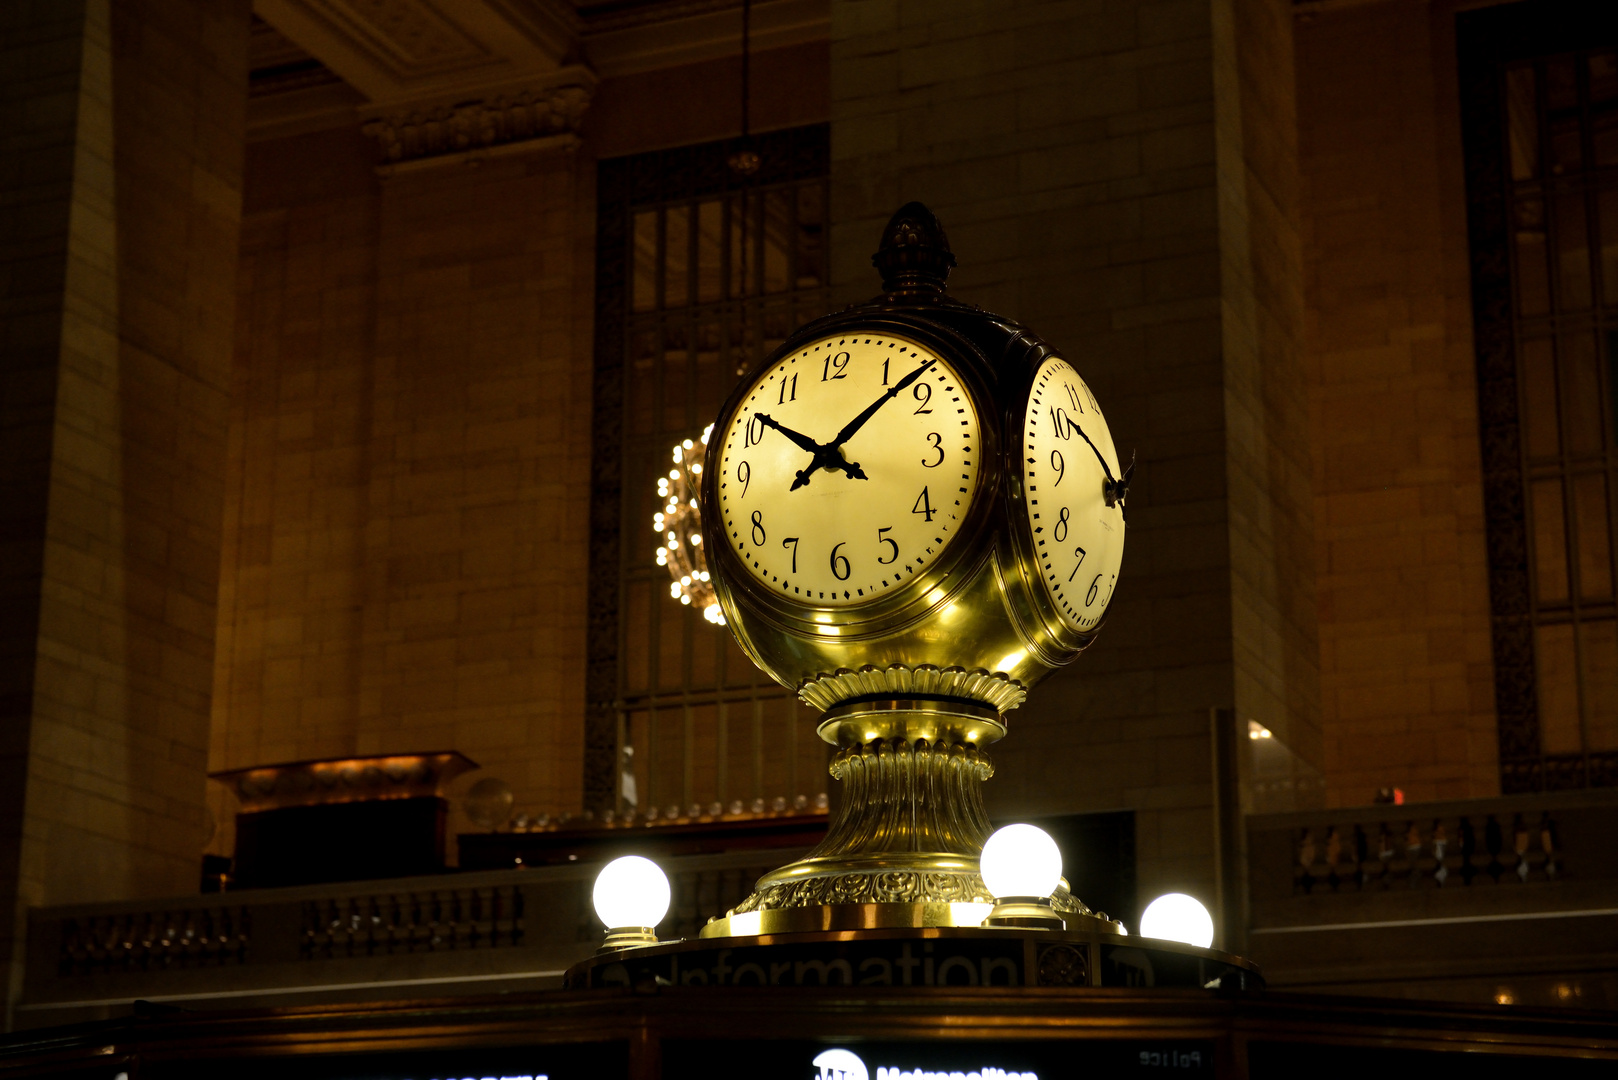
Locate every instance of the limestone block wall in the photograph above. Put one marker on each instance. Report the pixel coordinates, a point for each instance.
(123, 123)
(406, 517)
(1116, 176)
(1406, 670)
(405, 546)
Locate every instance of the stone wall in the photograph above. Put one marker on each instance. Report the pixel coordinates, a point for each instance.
(406, 546)
(1406, 670)
(406, 521)
(1116, 176)
(123, 123)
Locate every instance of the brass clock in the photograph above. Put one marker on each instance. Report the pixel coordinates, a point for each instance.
(913, 512)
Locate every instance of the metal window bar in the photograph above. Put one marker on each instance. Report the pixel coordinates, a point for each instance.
(1561, 116)
(682, 724)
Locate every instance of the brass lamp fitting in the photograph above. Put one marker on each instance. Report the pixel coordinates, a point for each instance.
(628, 937)
(1025, 912)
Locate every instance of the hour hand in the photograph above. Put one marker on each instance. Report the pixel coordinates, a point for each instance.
(796, 436)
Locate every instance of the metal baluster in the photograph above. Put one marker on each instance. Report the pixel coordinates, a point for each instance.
(1440, 840)
(1520, 845)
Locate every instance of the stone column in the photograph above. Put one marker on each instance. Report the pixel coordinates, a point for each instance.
(121, 134)
(1121, 177)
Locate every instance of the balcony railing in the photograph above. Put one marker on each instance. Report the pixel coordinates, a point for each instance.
(444, 934)
(1437, 899)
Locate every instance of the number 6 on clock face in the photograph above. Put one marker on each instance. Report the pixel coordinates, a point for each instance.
(863, 451)
(1068, 458)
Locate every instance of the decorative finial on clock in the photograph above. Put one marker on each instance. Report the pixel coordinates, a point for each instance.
(914, 258)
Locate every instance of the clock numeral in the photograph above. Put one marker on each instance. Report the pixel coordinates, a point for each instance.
(783, 399)
(1093, 406)
(840, 362)
(792, 542)
(922, 393)
(888, 540)
(744, 475)
(758, 529)
(938, 444)
(840, 575)
(885, 372)
(1080, 553)
(1059, 419)
(924, 505)
(1073, 396)
(1090, 597)
(1060, 532)
(755, 431)
(1059, 464)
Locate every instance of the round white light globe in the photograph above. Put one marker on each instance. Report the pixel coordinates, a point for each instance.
(1177, 917)
(1021, 860)
(631, 891)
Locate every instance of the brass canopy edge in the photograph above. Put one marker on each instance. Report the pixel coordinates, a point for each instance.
(994, 689)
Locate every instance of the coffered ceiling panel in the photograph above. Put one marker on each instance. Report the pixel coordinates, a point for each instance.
(401, 51)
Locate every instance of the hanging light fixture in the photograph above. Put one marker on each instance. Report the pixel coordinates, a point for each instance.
(679, 525)
(744, 161)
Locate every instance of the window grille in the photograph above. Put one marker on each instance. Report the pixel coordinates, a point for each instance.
(699, 274)
(1542, 176)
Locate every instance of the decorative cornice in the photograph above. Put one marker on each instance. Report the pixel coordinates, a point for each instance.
(994, 689)
(518, 122)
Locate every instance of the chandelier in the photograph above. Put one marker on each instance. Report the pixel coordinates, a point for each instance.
(679, 524)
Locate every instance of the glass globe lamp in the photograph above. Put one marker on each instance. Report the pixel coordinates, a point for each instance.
(631, 897)
(1178, 917)
(1021, 865)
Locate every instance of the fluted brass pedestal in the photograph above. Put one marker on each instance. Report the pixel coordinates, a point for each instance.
(903, 845)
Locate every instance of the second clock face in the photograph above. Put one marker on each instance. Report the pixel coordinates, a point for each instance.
(848, 468)
(1068, 459)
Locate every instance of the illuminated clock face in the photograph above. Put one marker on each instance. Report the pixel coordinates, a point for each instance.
(1076, 518)
(848, 468)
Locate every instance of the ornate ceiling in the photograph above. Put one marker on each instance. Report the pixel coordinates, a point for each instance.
(436, 80)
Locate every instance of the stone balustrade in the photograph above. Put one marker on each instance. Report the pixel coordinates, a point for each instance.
(1510, 899)
(445, 934)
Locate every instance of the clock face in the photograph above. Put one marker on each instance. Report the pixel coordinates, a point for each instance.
(848, 468)
(1068, 459)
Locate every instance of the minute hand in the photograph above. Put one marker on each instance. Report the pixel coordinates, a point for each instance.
(870, 410)
(1114, 489)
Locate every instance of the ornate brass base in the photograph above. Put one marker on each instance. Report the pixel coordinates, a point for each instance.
(902, 849)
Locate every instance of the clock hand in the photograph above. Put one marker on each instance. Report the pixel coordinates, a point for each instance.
(1120, 488)
(826, 457)
(870, 410)
(831, 455)
(798, 437)
(1113, 489)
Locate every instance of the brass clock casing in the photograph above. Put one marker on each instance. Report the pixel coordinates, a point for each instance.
(976, 624)
(915, 682)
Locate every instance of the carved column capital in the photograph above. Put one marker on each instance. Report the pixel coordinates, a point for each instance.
(517, 121)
